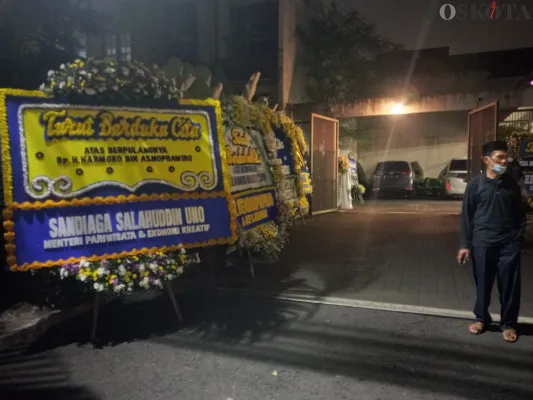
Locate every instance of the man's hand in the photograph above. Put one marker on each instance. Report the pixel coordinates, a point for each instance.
(463, 255)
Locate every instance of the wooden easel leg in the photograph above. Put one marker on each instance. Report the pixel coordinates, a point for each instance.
(212, 276)
(96, 311)
(174, 302)
(301, 215)
(252, 268)
(212, 272)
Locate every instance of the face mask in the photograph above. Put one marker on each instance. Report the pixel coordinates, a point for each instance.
(499, 169)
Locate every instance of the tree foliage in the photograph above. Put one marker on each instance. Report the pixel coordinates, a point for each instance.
(38, 35)
(339, 52)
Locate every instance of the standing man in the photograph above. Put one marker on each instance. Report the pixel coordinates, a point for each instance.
(493, 223)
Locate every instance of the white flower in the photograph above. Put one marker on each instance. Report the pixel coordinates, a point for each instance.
(62, 66)
(145, 283)
(101, 271)
(122, 270)
(141, 268)
(84, 263)
(62, 85)
(153, 266)
(158, 283)
(99, 287)
(183, 251)
(51, 73)
(169, 277)
(119, 288)
(83, 278)
(42, 87)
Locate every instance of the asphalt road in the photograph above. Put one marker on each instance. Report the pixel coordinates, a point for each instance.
(246, 348)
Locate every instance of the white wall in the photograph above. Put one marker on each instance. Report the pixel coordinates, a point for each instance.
(431, 139)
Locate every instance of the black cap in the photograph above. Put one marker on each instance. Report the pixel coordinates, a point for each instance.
(497, 145)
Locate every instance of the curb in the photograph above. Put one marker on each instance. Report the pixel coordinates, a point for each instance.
(31, 333)
(368, 305)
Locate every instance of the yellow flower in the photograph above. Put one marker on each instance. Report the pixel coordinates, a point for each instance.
(146, 273)
(134, 276)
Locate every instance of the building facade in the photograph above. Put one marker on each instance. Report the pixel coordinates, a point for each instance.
(436, 92)
(233, 38)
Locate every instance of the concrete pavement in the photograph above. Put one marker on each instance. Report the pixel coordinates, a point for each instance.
(261, 349)
(369, 255)
(410, 206)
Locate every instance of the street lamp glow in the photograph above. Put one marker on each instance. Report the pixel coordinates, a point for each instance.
(397, 108)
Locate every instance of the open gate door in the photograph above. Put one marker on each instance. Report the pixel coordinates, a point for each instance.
(324, 163)
(482, 127)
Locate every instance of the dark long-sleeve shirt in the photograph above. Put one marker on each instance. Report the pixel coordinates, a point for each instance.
(493, 212)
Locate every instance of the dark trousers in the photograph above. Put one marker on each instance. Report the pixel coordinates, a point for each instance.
(503, 264)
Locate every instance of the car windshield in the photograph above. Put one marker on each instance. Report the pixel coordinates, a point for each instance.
(458, 165)
(396, 166)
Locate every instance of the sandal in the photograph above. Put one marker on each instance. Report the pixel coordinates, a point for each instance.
(510, 335)
(476, 328)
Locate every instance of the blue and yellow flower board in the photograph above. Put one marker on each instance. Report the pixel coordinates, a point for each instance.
(106, 182)
(252, 184)
(255, 207)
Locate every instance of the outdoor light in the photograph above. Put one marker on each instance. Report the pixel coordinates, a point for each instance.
(397, 108)
(531, 83)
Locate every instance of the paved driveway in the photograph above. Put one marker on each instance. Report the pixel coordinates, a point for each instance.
(379, 252)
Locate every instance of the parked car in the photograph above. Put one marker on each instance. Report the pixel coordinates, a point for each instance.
(455, 177)
(394, 177)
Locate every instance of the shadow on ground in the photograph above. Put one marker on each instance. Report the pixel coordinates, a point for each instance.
(408, 351)
(129, 322)
(29, 376)
(390, 352)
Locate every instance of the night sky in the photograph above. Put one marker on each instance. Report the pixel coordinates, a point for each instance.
(416, 24)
